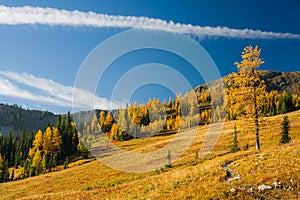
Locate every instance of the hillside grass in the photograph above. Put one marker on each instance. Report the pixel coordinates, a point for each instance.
(188, 177)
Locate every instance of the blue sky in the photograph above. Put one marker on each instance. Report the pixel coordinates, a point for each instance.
(39, 61)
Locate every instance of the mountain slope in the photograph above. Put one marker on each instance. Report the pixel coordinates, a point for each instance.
(188, 178)
(16, 119)
(282, 81)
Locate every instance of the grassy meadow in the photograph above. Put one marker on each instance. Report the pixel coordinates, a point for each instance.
(188, 177)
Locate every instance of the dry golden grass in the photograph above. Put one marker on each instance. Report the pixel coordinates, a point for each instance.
(188, 178)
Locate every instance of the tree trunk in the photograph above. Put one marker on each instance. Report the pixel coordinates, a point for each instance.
(256, 123)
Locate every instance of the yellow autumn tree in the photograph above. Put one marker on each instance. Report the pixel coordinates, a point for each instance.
(246, 89)
(37, 143)
(101, 118)
(108, 120)
(52, 142)
(115, 131)
(36, 162)
(56, 141)
(48, 147)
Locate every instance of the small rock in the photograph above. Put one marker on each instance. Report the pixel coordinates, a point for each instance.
(291, 180)
(260, 156)
(252, 189)
(233, 190)
(234, 178)
(264, 187)
(277, 184)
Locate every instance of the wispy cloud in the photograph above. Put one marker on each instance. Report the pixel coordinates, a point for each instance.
(49, 92)
(52, 16)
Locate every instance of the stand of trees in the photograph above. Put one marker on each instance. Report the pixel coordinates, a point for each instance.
(151, 118)
(40, 152)
(193, 109)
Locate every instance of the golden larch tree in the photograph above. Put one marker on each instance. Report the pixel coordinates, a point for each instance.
(56, 141)
(36, 162)
(48, 147)
(246, 89)
(114, 131)
(37, 143)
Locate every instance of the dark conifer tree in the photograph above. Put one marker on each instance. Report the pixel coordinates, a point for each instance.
(285, 138)
(75, 139)
(4, 173)
(234, 147)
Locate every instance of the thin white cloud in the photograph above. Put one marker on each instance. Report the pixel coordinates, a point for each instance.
(49, 92)
(52, 16)
(10, 90)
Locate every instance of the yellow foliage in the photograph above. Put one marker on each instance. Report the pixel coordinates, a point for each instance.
(246, 89)
(37, 144)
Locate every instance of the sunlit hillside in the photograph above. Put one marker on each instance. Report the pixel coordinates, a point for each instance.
(220, 175)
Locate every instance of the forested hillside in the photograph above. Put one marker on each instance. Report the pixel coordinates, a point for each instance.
(34, 153)
(282, 81)
(16, 119)
(198, 107)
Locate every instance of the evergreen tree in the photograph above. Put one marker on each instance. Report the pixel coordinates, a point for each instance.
(59, 124)
(66, 163)
(53, 162)
(285, 138)
(234, 147)
(169, 159)
(75, 139)
(12, 176)
(4, 173)
(68, 136)
(26, 172)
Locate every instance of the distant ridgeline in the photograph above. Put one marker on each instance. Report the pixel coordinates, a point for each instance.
(16, 119)
(282, 95)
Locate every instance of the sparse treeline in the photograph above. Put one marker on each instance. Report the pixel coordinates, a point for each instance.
(153, 117)
(192, 109)
(272, 103)
(40, 152)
